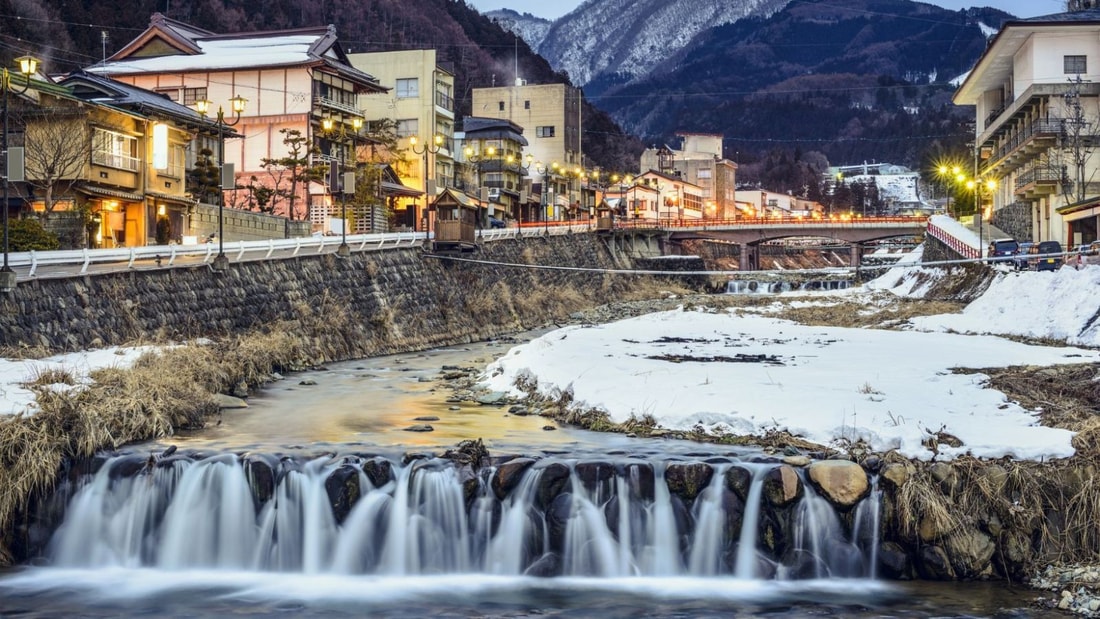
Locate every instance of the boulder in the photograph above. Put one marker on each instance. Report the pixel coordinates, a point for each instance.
(893, 561)
(342, 488)
(946, 476)
(782, 486)
(378, 471)
(554, 480)
(508, 475)
(970, 551)
(934, 564)
(595, 477)
(557, 520)
(641, 480)
(738, 479)
(896, 474)
(842, 482)
(688, 480)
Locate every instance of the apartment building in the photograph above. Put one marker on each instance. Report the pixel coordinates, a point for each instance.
(699, 161)
(550, 115)
(1035, 93)
(491, 151)
(421, 101)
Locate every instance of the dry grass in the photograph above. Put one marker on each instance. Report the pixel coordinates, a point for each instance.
(857, 315)
(922, 505)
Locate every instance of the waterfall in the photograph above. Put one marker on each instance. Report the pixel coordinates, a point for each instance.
(368, 515)
(867, 526)
(775, 287)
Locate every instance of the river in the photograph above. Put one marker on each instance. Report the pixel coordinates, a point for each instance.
(367, 407)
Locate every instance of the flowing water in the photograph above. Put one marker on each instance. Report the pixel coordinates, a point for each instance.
(309, 504)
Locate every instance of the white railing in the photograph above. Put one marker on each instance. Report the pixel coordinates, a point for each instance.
(68, 263)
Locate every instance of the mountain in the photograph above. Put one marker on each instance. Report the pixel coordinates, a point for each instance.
(854, 79)
(629, 37)
(526, 26)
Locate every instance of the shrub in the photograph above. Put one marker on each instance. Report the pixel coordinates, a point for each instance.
(28, 234)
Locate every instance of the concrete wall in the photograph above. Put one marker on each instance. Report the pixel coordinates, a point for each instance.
(378, 302)
(245, 225)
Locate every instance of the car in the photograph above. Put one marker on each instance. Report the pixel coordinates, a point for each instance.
(497, 223)
(1002, 250)
(1090, 256)
(1019, 259)
(1045, 256)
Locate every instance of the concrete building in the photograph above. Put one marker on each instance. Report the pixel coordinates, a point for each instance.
(1035, 93)
(550, 115)
(700, 162)
(291, 80)
(421, 101)
(491, 153)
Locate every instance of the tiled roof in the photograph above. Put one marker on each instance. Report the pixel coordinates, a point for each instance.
(1087, 15)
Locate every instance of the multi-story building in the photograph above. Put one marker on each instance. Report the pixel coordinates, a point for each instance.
(700, 162)
(550, 115)
(491, 151)
(131, 189)
(291, 80)
(1035, 92)
(421, 102)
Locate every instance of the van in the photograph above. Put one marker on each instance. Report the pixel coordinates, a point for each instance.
(1045, 256)
(1091, 255)
(1002, 250)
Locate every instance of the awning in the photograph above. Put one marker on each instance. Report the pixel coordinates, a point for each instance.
(392, 189)
(104, 192)
(165, 197)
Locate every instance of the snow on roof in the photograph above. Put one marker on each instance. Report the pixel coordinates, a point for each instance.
(222, 54)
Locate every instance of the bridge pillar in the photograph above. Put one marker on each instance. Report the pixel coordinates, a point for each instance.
(750, 257)
(855, 255)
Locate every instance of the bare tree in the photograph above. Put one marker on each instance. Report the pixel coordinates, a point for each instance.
(57, 147)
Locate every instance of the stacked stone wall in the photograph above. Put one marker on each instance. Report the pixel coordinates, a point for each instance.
(379, 302)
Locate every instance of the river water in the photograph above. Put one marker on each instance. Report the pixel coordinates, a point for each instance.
(368, 406)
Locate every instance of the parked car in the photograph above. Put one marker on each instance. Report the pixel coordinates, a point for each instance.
(1002, 250)
(497, 223)
(1091, 255)
(1051, 256)
(1019, 259)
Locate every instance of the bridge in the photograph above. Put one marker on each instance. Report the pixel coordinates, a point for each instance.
(660, 237)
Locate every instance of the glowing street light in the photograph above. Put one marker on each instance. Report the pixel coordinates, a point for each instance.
(202, 106)
(28, 65)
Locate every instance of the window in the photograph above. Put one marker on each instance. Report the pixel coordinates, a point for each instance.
(408, 88)
(1075, 65)
(114, 150)
(173, 94)
(407, 127)
(191, 95)
(500, 106)
(546, 131)
(527, 104)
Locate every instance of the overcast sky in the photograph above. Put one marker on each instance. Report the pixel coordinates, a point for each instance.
(557, 8)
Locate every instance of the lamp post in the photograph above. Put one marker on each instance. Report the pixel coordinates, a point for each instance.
(202, 106)
(946, 174)
(478, 158)
(28, 65)
(432, 147)
(977, 185)
(530, 160)
(344, 184)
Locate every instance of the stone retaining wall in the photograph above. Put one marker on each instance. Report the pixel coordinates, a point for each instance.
(379, 302)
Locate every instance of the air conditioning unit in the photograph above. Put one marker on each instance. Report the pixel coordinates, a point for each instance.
(494, 193)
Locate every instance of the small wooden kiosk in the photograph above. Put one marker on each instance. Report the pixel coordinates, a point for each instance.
(604, 221)
(455, 222)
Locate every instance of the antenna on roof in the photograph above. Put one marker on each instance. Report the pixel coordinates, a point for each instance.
(515, 56)
(103, 43)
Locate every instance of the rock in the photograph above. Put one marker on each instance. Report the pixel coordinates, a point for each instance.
(379, 471)
(342, 487)
(240, 390)
(945, 475)
(688, 480)
(893, 561)
(641, 480)
(798, 461)
(508, 475)
(842, 482)
(557, 520)
(420, 428)
(970, 551)
(491, 398)
(548, 428)
(226, 402)
(738, 480)
(782, 486)
(307, 382)
(426, 418)
(934, 564)
(595, 477)
(554, 480)
(546, 566)
(897, 473)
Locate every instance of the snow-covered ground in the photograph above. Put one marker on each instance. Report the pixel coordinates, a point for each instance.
(16, 397)
(830, 385)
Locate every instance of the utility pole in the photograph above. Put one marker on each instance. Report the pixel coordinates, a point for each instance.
(1075, 130)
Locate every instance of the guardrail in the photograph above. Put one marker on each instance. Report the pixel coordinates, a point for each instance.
(65, 263)
(959, 246)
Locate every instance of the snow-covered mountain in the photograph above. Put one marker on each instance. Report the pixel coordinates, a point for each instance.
(625, 37)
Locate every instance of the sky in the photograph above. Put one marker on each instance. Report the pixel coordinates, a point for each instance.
(554, 10)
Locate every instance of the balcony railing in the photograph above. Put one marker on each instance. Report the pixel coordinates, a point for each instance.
(1044, 175)
(1044, 127)
(348, 108)
(113, 160)
(444, 101)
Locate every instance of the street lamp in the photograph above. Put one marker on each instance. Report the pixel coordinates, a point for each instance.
(946, 174)
(28, 65)
(478, 158)
(346, 184)
(977, 186)
(202, 106)
(432, 147)
(544, 170)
